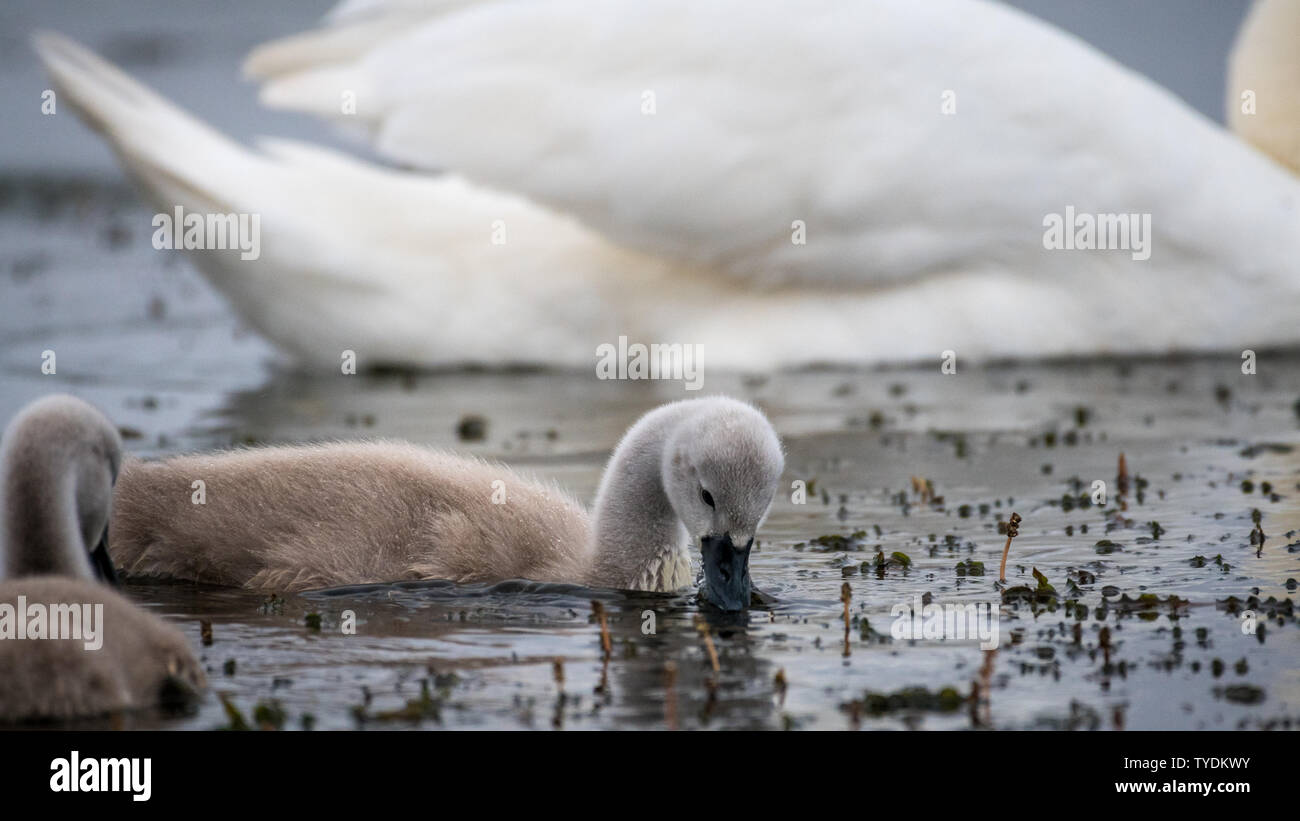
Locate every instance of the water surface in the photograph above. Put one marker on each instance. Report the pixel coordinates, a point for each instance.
(139, 333)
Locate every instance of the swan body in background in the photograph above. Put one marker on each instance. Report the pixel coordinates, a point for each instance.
(1263, 94)
(696, 473)
(700, 129)
(780, 184)
(58, 460)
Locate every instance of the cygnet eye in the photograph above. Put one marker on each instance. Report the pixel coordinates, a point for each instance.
(707, 497)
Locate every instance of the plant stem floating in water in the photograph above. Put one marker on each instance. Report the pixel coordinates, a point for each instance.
(708, 644)
(598, 610)
(1013, 530)
(1121, 482)
(846, 596)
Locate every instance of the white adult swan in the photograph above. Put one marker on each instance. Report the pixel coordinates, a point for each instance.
(838, 182)
(696, 473)
(57, 463)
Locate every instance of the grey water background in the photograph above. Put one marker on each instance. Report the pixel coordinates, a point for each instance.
(142, 335)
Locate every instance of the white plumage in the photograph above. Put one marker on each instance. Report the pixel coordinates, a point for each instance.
(705, 135)
(768, 112)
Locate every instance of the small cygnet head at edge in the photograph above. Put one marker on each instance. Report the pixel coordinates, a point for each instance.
(720, 473)
(59, 458)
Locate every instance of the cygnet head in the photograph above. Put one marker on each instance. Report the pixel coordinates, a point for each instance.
(721, 468)
(59, 458)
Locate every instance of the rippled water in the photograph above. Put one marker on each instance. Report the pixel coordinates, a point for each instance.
(137, 332)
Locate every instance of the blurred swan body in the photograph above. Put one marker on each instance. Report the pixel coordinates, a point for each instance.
(1263, 94)
(781, 184)
(57, 463)
(294, 518)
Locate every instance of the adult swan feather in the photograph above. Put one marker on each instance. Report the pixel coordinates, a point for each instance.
(780, 183)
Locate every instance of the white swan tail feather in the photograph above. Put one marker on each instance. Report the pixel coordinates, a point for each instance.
(177, 158)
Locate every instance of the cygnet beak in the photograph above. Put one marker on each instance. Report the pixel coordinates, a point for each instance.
(726, 572)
